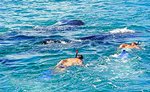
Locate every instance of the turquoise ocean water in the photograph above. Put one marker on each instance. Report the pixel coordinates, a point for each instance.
(25, 65)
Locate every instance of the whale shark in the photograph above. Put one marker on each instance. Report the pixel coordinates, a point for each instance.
(62, 25)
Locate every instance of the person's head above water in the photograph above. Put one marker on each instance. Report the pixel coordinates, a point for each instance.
(134, 43)
(124, 51)
(80, 57)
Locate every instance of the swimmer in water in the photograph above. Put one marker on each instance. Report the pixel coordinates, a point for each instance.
(130, 46)
(123, 54)
(63, 64)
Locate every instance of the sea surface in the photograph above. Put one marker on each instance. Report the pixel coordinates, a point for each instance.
(26, 65)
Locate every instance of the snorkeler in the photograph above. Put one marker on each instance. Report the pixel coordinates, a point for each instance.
(130, 46)
(63, 64)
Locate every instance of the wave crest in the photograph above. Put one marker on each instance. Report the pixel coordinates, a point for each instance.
(122, 30)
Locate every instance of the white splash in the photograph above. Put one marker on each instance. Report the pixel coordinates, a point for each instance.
(114, 55)
(121, 30)
(63, 42)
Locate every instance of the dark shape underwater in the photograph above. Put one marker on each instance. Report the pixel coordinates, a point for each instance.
(63, 25)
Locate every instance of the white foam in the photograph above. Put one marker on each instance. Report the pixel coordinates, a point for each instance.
(115, 55)
(63, 42)
(121, 30)
(59, 23)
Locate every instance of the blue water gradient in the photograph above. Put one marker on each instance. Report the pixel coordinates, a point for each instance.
(26, 63)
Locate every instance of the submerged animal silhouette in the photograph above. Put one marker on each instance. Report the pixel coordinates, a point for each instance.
(63, 25)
